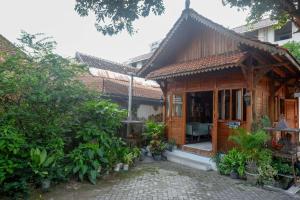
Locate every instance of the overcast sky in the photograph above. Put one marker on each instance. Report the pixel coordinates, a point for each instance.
(73, 33)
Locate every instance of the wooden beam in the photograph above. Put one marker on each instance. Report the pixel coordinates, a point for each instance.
(270, 65)
(286, 65)
(259, 58)
(259, 74)
(279, 72)
(244, 71)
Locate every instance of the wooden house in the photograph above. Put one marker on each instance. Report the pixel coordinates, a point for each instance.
(214, 79)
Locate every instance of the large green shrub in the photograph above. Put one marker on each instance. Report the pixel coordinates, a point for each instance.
(44, 108)
(251, 144)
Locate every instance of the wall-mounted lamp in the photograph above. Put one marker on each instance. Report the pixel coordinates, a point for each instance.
(247, 98)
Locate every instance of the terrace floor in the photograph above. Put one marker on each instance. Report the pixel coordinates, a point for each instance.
(163, 180)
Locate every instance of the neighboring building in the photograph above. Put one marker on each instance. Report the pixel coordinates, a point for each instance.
(264, 31)
(6, 47)
(139, 61)
(111, 79)
(214, 79)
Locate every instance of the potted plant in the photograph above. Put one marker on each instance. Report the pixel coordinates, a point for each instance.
(137, 155)
(157, 147)
(233, 164)
(252, 145)
(251, 172)
(284, 176)
(128, 160)
(41, 164)
(267, 174)
(171, 145)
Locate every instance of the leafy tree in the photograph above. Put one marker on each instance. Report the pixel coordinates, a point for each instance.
(115, 16)
(281, 10)
(294, 48)
(48, 119)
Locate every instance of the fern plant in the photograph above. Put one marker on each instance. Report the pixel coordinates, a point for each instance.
(251, 144)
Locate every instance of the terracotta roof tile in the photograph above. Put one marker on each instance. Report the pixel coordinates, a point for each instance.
(205, 64)
(117, 87)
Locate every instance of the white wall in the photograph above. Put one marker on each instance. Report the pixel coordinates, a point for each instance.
(144, 111)
(267, 35)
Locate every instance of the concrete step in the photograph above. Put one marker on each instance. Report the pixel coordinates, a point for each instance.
(190, 160)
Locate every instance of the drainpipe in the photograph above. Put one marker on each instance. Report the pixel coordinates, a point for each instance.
(129, 119)
(130, 97)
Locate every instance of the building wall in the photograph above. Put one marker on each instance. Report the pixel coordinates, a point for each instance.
(145, 111)
(267, 34)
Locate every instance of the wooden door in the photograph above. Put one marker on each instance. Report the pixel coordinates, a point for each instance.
(175, 121)
(291, 112)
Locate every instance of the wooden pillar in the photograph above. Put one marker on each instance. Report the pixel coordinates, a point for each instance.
(184, 110)
(215, 122)
(272, 101)
(250, 108)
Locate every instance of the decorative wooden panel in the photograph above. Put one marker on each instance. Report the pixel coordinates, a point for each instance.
(206, 42)
(223, 133)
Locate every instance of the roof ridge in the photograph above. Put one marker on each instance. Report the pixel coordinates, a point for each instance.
(102, 59)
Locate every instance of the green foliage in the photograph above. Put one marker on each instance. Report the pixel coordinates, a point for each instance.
(267, 173)
(251, 144)
(233, 161)
(50, 124)
(282, 167)
(115, 16)
(157, 147)
(41, 162)
(128, 158)
(261, 123)
(294, 48)
(154, 130)
(86, 161)
(282, 11)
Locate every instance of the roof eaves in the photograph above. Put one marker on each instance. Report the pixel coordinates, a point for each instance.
(193, 72)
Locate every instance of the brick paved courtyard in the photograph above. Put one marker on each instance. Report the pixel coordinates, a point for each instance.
(164, 180)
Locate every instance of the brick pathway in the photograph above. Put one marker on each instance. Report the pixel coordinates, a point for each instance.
(165, 180)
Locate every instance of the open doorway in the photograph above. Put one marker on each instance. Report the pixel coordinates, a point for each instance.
(199, 120)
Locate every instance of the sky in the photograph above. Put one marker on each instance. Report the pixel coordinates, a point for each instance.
(57, 18)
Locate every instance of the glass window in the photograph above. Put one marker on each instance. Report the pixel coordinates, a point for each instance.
(236, 104)
(177, 106)
(231, 100)
(284, 33)
(224, 104)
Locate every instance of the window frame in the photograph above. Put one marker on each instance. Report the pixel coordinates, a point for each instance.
(223, 109)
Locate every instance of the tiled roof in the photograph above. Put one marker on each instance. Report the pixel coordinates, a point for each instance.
(119, 88)
(205, 64)
(6, 46)
(100, 63)
(140, 58)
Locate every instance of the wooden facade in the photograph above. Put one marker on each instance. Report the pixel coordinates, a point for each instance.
(191, 59)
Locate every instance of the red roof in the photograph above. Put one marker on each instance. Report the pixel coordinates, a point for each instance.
(205, 64)
(117, 87)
